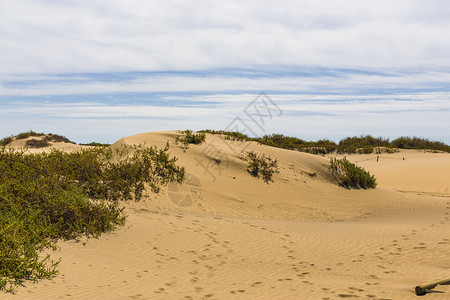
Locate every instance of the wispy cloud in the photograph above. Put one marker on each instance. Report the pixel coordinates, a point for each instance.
(305, 80)
(39, 36)
(105, 69)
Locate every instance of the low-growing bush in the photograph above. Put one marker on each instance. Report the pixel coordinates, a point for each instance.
(37, 143)
(28, 134)
(57, 138)
(95, 144)
(350, 175)
(419, 143)
(229, 135)
(6, 141)
(43, 140)
(260, 164)
(189, 137)
(57, 195)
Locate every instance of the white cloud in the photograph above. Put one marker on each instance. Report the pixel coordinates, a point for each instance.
(60, 49)
(41, 37)
(306, 116)
(343, 82)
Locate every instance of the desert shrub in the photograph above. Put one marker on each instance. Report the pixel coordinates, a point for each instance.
(28, 134)
(57, 138)
(95, 144)
(366, 150)
(6, 141)
(419, 143)
(350, 145)
(363, 141)
(189, 137)
(350, 175)
(37, 143)
(260, 164)
(229, 135)
(46, 197)
(281, 141)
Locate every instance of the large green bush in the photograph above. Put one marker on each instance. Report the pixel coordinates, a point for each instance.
(50, 196)
(350, 175)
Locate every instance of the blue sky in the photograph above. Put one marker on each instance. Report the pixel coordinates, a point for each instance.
(102, 70)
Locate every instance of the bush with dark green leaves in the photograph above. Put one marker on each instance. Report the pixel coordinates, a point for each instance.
(350, 175)
(350, 145)
(37, 143)
(46, 197)
(189, 137)
(419, 143)
(95, 144)
(260, 164)
(6, 141)
(229, 135)
(39, 139)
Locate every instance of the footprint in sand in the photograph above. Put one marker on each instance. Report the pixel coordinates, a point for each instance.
(355, 289)
(283, 279)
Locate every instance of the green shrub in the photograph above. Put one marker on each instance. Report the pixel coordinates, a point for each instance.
(28, 134)
(229, 135)
(57, 138)
(419, 143)
(189, 137)
(350, 175)
(350, 145)
(95, 144)
(6, 141)
(37, 143)
(260, 164)
(50, 196)
(366, 150)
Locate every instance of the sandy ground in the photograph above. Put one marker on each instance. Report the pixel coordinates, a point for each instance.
(224, 234)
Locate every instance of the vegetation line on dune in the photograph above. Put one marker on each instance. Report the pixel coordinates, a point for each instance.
(46, 197)
(361, 145)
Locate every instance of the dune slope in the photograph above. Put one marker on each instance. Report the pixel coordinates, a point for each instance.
(224, 234)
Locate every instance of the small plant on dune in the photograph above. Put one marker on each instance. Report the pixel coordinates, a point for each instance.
(260, 164)
(47, 197)
(350, 175)
(189, 137)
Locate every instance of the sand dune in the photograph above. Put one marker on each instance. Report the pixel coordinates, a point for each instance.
(22, 145)
(224, 234)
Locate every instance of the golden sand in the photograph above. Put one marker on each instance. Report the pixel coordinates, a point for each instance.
(224, 234)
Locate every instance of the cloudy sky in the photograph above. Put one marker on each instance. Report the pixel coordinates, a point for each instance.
(101, 70)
